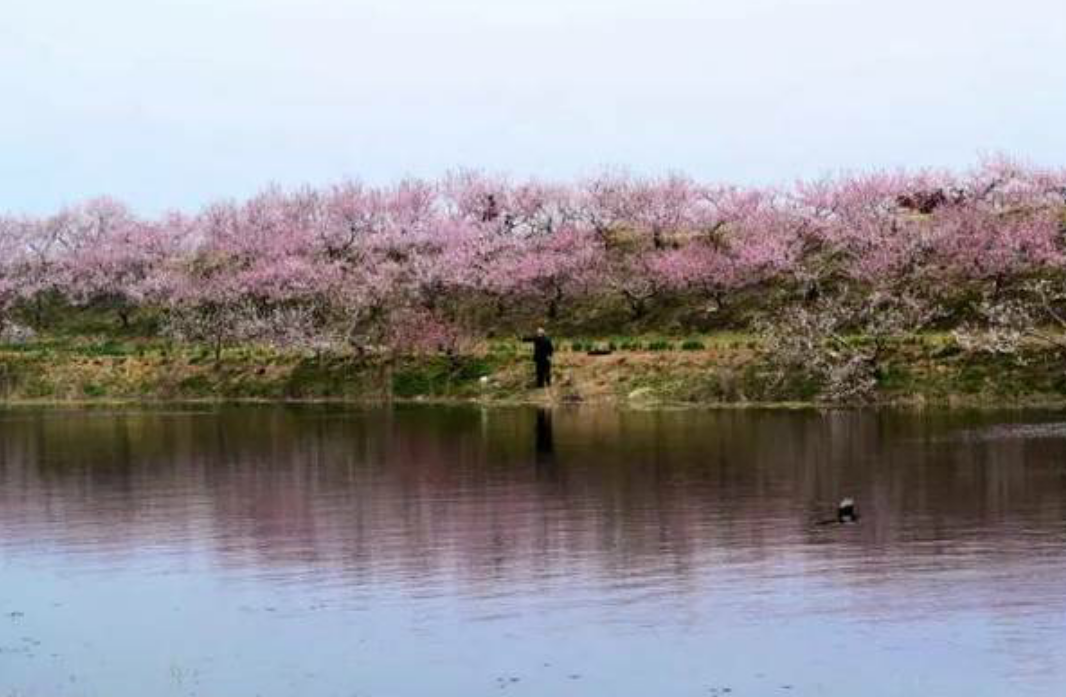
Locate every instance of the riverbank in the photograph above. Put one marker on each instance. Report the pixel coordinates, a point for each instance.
(723, 369)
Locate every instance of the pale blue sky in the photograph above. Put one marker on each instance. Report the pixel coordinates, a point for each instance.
(171, 104)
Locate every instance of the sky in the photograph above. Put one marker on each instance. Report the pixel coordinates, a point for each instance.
(172, 104)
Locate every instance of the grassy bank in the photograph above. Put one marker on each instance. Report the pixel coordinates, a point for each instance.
(706, 370)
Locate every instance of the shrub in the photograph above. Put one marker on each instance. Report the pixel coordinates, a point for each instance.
(90, 389)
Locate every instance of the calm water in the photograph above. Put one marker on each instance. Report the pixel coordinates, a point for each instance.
(428, 551)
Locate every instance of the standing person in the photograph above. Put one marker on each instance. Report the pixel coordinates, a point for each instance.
(542, 356)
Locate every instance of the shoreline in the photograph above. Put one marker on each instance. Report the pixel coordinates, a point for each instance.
(726, 372)
(960, 403)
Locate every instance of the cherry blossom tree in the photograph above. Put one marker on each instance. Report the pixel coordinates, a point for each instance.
(548, 269)
(366, 265)
(12, 231)
(110, 257)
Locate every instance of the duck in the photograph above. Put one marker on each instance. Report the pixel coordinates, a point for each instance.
(846, 512)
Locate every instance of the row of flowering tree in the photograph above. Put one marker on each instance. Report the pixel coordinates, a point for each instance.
(421, 264)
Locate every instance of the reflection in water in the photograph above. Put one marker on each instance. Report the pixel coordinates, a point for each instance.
(324, 551)
(545, 444)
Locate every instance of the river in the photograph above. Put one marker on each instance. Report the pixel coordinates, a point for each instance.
(434, 551)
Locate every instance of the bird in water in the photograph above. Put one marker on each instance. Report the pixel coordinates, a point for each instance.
(846, 511)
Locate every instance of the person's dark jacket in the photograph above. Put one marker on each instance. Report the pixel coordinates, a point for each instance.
(542, 348)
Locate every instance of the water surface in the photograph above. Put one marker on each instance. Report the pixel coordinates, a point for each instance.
(322, 551)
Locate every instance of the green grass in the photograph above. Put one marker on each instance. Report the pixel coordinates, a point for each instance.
(440, 377)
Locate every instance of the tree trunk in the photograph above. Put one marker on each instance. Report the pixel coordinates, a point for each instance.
(638, 305)
(553, 305)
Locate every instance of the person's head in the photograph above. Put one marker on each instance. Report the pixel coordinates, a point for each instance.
(540, 331)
